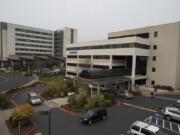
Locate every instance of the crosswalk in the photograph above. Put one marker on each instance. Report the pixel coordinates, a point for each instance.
(168, 125)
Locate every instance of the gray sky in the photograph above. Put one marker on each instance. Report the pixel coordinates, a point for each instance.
(93, 18)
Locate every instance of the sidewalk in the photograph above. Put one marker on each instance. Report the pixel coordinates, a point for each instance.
(4, 115)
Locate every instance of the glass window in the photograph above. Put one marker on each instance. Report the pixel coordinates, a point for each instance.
(153, 82)
(146, 132)
(153, 69)
(154, 58)
(155, 47)
(155, 34)
(134, 127)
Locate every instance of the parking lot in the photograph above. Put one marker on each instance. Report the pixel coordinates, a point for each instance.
(118, 122)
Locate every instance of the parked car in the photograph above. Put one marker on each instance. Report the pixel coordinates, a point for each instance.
(94, 115)
(142, 128)
(34, 99)
(125, 94)
(171, 112)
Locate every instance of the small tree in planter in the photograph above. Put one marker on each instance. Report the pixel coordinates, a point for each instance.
(22, 114)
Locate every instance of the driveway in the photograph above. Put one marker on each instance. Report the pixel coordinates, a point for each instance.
(21, 96)
(12, 80)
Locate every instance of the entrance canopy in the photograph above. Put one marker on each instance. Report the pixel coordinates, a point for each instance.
(104, 73)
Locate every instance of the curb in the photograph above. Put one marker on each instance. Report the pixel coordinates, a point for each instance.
(32, 129)
(80, 114)
(70, 112)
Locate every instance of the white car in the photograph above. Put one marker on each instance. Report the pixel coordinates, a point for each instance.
(142, 128)
(125, 94)
(33, 98)
(172, 112)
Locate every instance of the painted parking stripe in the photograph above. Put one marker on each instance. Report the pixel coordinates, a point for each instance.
(168, 125)
(139, 107)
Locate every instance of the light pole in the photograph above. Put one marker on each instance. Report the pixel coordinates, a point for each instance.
(47, 112)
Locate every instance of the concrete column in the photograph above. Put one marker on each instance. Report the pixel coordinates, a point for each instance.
(2, 64)
(91, 92)
(12, 63)
(133, 72)
(110, 62)
(91, 62)
(98, 90)
(77, 68)
(24, 62)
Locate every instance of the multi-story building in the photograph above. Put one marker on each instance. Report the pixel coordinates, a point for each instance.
(152, 54)
(62, 37)
(23, 40)
(18, 41)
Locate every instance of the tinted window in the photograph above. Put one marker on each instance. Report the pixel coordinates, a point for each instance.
(134, 127)
(146, 132)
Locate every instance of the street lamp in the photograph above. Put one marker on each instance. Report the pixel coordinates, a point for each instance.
(47, 112)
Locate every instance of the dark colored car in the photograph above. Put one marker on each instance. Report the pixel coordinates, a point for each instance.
(94, 115)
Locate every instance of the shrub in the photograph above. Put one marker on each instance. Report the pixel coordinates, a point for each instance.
(22, 113)
(110, 96)
(136, 93)
(97, 101)
(60, 88)
(4, 103)
(164, 87)
(81, 100)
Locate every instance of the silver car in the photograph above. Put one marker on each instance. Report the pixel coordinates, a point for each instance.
(172, 112)
(33, 98)
(125, 94)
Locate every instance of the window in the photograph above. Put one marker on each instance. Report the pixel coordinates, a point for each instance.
(146, 132)
(153, 69)
(136, 128)
(152, 82)
(155, 47)
(154, 58)
(155, 34)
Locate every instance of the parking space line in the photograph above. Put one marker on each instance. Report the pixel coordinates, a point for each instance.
(168, 125)
(163, 123)
(139, 107)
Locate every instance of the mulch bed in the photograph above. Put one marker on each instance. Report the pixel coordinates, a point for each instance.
(24, 129)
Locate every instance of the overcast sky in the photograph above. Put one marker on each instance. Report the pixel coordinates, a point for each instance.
(93, 18)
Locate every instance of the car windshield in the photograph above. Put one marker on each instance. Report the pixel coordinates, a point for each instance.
(88, 113)
(34, 97)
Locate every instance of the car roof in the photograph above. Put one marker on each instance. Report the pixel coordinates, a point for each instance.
(147, 126)
(32, 94)
(97, 109)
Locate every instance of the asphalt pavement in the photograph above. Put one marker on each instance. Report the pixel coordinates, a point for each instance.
(118, 122)
(21, 96)
(13, 80)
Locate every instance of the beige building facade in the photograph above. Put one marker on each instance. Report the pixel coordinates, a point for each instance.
(164, 61)
(152, 54)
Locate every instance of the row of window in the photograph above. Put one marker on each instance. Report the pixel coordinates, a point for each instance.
(33, 41)
(33, 31)
(111, 46)
(32, 50)
(32, 45)
(71, 73)
(89, 56)
(88, 66)
(33, 36)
